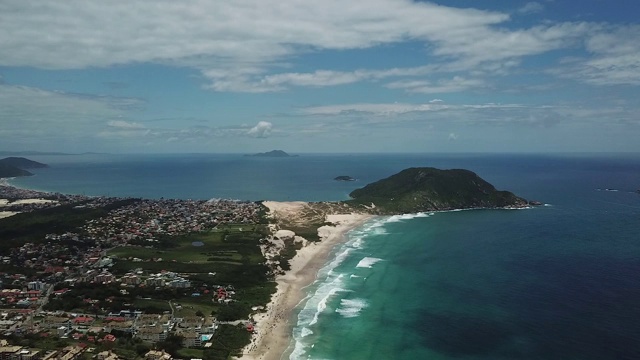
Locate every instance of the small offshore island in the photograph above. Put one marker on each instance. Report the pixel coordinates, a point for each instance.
(83, 271)
(272, 153)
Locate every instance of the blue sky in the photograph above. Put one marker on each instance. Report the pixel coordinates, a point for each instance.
(320, 76)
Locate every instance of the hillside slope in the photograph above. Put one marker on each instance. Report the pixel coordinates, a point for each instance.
(428, 189)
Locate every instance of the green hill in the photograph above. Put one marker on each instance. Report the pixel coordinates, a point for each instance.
(428, 189)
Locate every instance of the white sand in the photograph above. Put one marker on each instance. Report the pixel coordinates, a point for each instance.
(6, 214)
(273, 327)
(5, 202)
(32, 201)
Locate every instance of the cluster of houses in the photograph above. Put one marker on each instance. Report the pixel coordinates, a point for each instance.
(54, 254)
(24, 297)
(146, 219)
(80, 351)
(80, 256)
(196, 331)
(162, 279)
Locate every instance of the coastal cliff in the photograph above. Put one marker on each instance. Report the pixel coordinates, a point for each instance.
(430, 189)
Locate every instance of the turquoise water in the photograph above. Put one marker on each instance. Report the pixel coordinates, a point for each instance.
(553, 282)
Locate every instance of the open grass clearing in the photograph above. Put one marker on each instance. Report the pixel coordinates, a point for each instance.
(233, 244)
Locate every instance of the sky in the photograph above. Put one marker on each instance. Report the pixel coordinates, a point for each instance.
(243, 76)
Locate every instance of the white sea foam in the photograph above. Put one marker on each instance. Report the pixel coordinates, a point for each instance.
(357, 243)
(350, 308)
(322, 305)
(378, 231)
(398, 218)
(329, 283)
(298, 351)
(315, 305)
(368, 262)
(317, 302)
(328, 269)
(306, 332)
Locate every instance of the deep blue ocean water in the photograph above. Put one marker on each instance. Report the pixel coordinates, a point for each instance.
(560, 281)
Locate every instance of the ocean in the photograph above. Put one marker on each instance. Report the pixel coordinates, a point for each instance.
(559, 281)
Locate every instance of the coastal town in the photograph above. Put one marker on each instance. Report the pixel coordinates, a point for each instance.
(126, 279)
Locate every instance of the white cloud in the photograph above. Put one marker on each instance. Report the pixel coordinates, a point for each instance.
(27, 110)
(614, 60)
(453, 136)
(252, 79)
(317, 78)
(531, 8)
(261, 130)
(125, 125)
(391, 109)
(455, 84)
(97, 33)
(237, 44)
(490, 45)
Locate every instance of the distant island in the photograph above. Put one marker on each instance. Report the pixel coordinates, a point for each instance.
(344, 178)
(272, 153)
(16, 166)
(429, 189)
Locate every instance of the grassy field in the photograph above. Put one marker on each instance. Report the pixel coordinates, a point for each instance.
(232, 244)
(191, 353)
(152, 304)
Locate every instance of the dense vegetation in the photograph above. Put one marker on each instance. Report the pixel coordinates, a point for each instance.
(428, 189)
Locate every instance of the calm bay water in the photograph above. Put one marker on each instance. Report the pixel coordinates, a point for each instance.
(554, 282)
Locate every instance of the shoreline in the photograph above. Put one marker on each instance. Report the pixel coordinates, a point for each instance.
(274, 327)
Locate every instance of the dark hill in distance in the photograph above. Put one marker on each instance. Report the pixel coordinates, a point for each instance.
(22, 163)
(429, 189)
(7, 171)
(15, 166)
(272, 153)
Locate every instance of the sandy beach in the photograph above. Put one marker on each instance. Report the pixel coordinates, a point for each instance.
(5, 202)
(274, 327)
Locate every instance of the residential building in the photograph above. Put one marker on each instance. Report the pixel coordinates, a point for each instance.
(36, 285)
(151, 333)
(157, 355)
